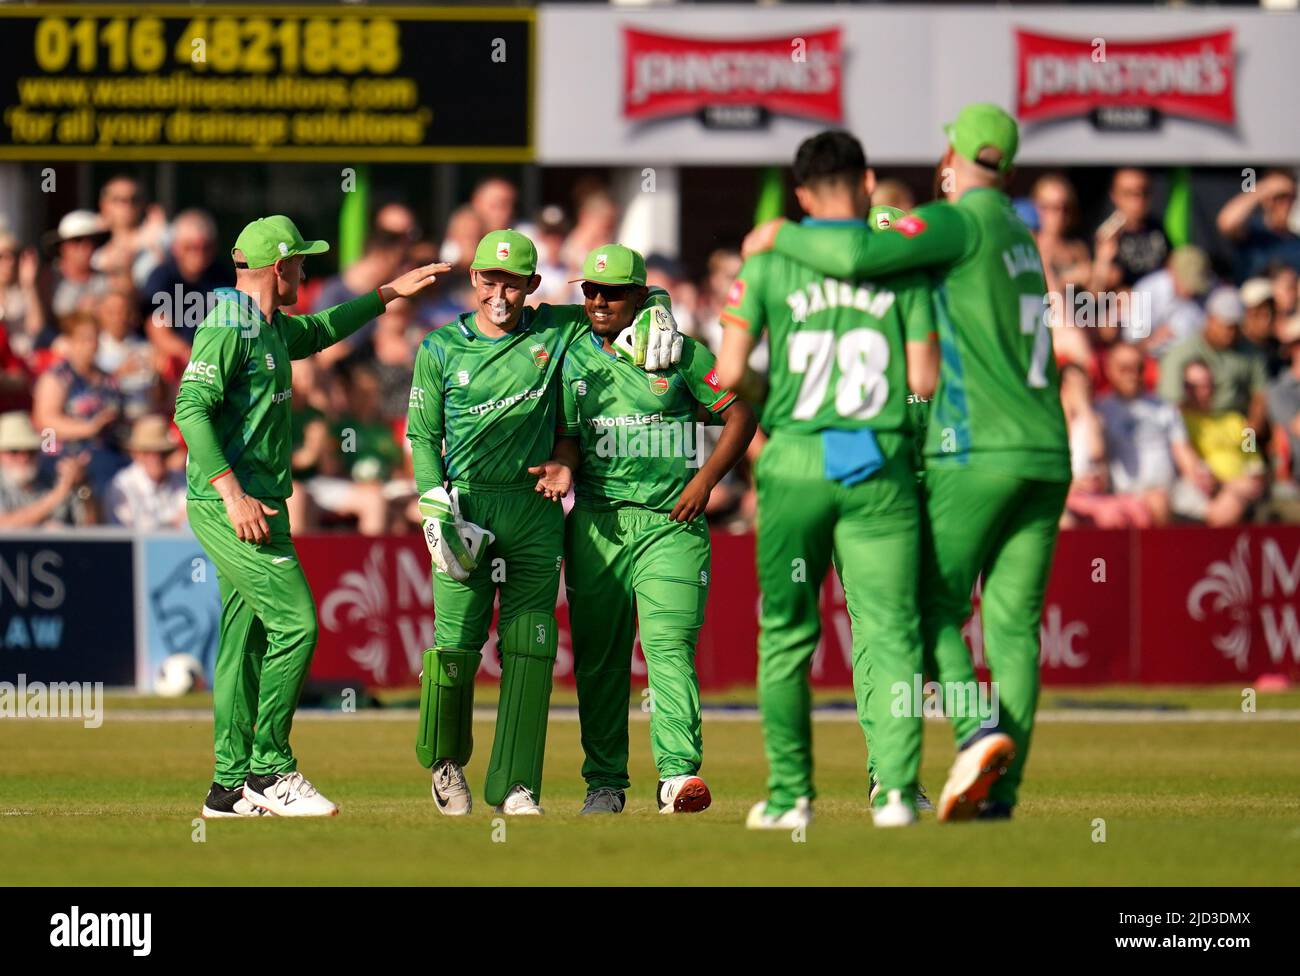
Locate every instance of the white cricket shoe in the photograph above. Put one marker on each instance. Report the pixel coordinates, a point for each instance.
(923, 804)
(683, 794)
(604, 800)
(519, 802)
(977, 767)
(287, 795)
(798, 816)
(894, 812)
(450, 791)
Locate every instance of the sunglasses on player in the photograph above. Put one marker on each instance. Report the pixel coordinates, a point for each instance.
(611, 293)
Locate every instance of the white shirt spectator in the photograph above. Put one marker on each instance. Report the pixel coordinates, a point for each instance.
(137, 501)
(1157, 304)
(1140, 434)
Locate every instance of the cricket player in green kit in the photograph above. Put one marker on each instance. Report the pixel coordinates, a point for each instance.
(836, 482)
(636, 543)
(996, 453)
(233, 409)
(482, 419)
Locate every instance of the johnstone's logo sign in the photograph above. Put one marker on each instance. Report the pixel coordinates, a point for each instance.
(1127, 85)
(732, 84)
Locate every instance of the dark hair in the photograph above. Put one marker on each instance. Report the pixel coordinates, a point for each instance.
(830, 156)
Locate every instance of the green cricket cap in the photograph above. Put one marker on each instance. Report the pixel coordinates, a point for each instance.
(268, 239)
(883, 218)
(982, 124)
(613, 264)
(506, 250)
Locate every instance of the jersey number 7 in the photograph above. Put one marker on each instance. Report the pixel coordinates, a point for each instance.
(1033, 321)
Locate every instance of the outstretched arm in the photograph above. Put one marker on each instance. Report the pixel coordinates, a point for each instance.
(934, 237)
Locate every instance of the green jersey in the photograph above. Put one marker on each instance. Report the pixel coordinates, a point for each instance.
(637, 430)
(998, 403)
(483, 411)
(838, 359)
(233, 403)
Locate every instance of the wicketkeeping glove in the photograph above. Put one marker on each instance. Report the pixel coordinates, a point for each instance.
(652, 340)
(454, 544)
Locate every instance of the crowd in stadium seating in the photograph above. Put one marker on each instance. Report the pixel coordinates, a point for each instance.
(1181, 388)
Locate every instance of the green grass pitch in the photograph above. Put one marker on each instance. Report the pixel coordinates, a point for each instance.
(1181, 803)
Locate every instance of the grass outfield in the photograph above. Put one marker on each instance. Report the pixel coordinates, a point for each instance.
(1184, 803)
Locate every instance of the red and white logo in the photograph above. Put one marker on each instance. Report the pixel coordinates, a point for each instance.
(1062, 77)
(711, 380)
(736, 293)
(503, 251)
(909, 225)
(601, 260)
(796, 74)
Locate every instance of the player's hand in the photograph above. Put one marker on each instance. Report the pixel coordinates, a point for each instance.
(761, 238)
(652, 340)
(248, 516)
(554, 479)
(414, 281)
(454, 544)
(694, 499)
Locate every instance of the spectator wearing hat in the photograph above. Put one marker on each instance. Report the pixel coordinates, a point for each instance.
(1257, 221)
(74, 243)
(147, 494)
(1237, 369)
(1257, 324)
(31, 498)
(1168, 305)
(22, 313)
(1284, 412)
(1221, 440)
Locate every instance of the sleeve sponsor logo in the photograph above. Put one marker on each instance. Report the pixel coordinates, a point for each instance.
(417, 396)
(736, 293)
(910, 226)
(711, 380)
(200, 371)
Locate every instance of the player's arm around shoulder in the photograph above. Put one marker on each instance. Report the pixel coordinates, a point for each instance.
(744, 319)
(915, 303)
(555, 476)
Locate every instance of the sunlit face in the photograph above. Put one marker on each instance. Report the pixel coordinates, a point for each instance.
(121, 204)
(19, 467)
(1198, 383)
(1277, 208)
(611, 308)
(193, 251)
(500, 295)
(1052, 201)
(289, 277)
(115, 314)
(152, 463)
(1131, 192)
(1124, 370)
(81, 345)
